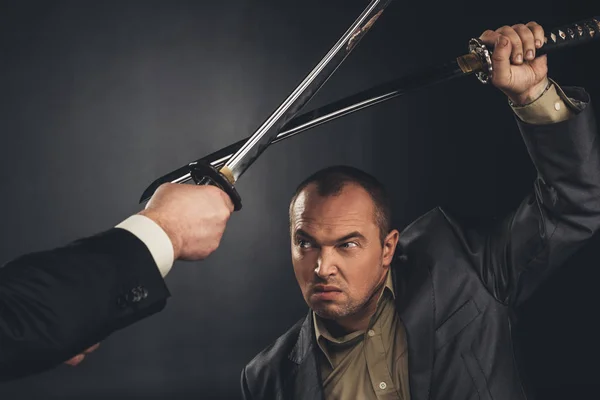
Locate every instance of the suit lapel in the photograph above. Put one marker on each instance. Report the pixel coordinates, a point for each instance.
(304, 381)
(415, 304)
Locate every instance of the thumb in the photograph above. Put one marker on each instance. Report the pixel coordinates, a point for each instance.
(227, 200)
(540, 65)
(229, 203)
(501, 74)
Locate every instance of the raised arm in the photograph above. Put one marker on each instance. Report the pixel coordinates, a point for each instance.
(563, 211)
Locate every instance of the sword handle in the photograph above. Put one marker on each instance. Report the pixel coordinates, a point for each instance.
(571, 35)
(205, 174)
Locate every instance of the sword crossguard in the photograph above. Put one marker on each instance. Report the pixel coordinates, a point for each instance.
(205, 174)
(477, 47)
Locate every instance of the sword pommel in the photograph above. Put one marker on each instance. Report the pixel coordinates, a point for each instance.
(469, 63)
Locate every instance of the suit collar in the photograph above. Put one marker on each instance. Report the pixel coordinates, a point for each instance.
(305, 341)
(415, 303)
(415, 306)
(304, 381)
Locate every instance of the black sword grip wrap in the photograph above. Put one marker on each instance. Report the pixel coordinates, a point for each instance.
(205, 174)
(571, 35)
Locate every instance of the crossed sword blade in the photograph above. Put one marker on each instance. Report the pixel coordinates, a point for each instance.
(234, 159)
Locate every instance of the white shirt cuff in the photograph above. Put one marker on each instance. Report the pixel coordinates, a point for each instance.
(154, 237)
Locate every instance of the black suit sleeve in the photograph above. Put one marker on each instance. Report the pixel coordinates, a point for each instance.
(563, 212)
(245, 389)
(54, 304)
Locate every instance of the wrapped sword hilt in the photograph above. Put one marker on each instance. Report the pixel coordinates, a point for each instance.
(560, 38)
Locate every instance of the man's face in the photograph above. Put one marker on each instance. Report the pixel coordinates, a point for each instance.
(338, 257)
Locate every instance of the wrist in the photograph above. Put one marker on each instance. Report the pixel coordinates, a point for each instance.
(530, 95)
(173, 238)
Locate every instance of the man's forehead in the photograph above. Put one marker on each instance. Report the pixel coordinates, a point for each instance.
(331, 224)
(352, 206)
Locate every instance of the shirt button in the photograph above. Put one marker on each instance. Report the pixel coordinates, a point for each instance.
(382, 385)
(557, 106)
(372, 333)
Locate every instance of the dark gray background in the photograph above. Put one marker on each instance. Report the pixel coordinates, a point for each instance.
(99, 98)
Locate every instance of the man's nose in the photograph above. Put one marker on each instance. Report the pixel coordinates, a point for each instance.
(326, 263)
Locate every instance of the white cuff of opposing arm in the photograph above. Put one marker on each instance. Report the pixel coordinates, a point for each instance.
(154, 237)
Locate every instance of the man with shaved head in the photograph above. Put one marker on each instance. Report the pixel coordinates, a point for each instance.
(338, 216)
(427, 314)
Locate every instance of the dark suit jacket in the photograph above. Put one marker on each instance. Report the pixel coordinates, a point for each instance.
(54, 304)
(457, 287)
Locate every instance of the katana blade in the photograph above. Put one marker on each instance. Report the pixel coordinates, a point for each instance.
(319, 116)
(477, 61)
(260, 140)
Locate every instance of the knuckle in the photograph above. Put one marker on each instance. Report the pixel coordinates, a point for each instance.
(213, 190)
(538, 29)
(526, 32)
(497, 57)
(225, 197)
(506, 37)
(214, 245)
(166, 186)
(224, 214)
(163, 191)
(159, 190)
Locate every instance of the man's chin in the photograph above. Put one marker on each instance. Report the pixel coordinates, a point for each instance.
(328, 311)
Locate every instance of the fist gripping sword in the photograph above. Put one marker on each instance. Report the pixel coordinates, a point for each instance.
(234, 159)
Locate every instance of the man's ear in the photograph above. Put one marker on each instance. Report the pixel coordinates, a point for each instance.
(389, 246)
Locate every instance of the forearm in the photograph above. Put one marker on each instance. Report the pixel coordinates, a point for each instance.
(566, 155)
(521, 250)
(54, 304)
(561, 214)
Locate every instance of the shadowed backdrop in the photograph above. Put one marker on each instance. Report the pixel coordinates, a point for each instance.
(97, 99)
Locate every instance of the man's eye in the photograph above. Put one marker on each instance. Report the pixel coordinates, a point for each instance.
(348, 245)
(304, 244)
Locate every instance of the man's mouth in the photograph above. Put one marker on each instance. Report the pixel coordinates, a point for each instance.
(326, 288)
(326, 292)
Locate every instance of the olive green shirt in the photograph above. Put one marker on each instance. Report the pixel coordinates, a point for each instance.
(369, 364)
(373, 364)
